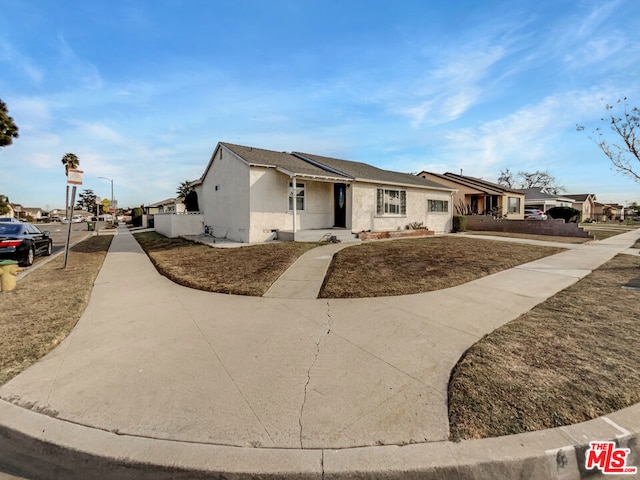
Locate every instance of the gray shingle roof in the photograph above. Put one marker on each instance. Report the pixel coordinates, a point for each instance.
(306, 164)
(363, 171)
(283, 160)
(479, 183)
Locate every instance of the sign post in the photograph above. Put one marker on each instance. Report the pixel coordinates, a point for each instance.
(74, 178)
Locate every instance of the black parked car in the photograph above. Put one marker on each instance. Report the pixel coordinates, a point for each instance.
(22, 242)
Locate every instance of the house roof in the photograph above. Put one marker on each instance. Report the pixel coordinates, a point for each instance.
(283, 161)
(479, 184)
(323, 168)
(580, 197)
(168, 201)
(365, 172)
(538, 193)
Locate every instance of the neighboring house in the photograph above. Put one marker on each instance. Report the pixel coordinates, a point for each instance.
(608, 211)
(539, 198)
(476, 196)
(248, 194)
(37, 214)
(586, 203)
(170, 205)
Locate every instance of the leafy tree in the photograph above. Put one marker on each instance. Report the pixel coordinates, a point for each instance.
(70, 162)
(537, 179)
(624, 122)
(87, 200)
(191, 201)
(183, 190)
(8, 129)
(4, 205)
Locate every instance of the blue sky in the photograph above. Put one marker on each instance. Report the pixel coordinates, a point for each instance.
(142, 90)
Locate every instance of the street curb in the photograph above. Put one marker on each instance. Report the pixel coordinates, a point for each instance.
(42, 447)
(52, 257)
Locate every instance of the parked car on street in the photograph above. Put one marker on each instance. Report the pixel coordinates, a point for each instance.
(534, 214)
(22, 242)
(9, 219)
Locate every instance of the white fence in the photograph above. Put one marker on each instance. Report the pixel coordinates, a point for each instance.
(173, 225)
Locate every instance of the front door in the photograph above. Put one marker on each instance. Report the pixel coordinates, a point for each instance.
(340, 205)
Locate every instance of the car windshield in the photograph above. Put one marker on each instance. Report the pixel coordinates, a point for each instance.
(10, 229)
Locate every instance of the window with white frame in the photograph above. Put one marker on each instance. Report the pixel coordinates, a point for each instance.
(438, 206)
(299, 196)
(391, 202)
(514, 205)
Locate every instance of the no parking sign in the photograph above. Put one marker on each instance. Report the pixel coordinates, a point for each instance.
(74, 177)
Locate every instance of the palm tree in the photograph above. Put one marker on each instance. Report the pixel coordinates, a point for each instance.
(184, 189)
(70, 161)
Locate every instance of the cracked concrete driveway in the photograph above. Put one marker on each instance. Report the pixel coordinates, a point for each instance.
(153, 359)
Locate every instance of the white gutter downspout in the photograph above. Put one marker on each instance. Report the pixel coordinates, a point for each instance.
(295, 201)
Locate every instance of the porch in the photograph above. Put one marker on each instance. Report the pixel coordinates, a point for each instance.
(318, 235)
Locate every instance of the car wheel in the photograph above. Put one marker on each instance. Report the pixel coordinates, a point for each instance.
(49, 249)
(28, 259)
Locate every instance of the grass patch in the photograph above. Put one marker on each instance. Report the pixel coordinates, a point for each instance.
(401, 267)
(570, 359)
(46, 305)
(528, 236)
(242, 271)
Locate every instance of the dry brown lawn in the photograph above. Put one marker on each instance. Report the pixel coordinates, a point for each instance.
(45, 306)
(400, 267)
(570, 359)
(242, 271)
(528, 236)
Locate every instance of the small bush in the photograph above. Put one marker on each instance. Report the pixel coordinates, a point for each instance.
(459, 223)
(568, 214)
(414, 226)
(136, 217)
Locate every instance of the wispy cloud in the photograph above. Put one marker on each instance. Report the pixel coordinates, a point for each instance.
(79, 69)
(456, 83)
(14, 58)
(527, 136)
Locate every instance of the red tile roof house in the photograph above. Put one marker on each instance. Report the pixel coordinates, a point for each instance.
(253, 195)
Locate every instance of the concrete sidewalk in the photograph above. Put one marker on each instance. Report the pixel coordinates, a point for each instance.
(179, 380)
(304, 278)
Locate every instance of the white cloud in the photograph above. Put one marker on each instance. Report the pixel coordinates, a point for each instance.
(78, 68)
(10, 55)
(454, 86)
(527, 136)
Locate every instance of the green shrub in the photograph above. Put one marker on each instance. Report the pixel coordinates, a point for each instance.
(136, 216)
(568, 214)
(459, 223)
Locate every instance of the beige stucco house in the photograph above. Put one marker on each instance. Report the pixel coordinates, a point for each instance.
(169, 205)
(250, 194)
(586, 203)
(475, 196)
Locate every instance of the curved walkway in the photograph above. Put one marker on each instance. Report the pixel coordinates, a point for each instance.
(159, 381)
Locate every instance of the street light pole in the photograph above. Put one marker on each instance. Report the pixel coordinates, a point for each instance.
(113, 221)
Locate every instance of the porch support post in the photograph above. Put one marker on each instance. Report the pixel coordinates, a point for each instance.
(295, 204)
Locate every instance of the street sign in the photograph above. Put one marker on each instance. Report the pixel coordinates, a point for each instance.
(74, 177)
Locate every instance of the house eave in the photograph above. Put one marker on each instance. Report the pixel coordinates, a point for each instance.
(405, 185)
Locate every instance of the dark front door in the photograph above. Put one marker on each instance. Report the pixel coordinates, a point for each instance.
(340, 205)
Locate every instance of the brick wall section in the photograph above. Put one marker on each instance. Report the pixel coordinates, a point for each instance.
(394, 234)
(535, 227)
